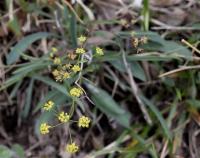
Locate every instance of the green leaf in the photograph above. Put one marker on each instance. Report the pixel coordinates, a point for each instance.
(73, 28)
(193, 103)
(159, 116)
(18, 150)
(52, 83)
(27, 105)
(23, 44)
(136, 69)
(32, 66)
(171, 47)
(108, 56)
(11, 81)
(14, 26)
(151, 57)
(15, 89)
(5, 152)
(107, 105)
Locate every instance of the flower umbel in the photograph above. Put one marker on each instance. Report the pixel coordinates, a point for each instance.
(76, 68)
(83, 122)
(80, 51)
(144, 40)
(76, 92)
(54, 49)
(82, 39)
(57, 61)
(55, 72)
(44, 128)
(99, 51)
(60, 75)
(63, 117)
(72, 148)
(48, 105)
(65, 75)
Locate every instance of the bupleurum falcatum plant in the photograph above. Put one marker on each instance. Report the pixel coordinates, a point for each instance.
(63, 69)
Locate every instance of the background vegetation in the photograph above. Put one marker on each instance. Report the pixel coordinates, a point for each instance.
(145, 94)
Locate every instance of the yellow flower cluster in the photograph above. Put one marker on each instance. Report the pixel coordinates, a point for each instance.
(82, 39)
(80, 51)
(76, 92)
(63, 117)
(54, 49)
(48, 105)
(44, 128)
(72, 148)
(99, 51)
(60, 75)
(83, 122)
(137, 41)
(57, 61)
(62, 71)
(76, 68)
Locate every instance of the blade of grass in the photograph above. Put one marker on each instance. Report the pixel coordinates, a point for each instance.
(146, 15)
(27, 105)
(159, 116)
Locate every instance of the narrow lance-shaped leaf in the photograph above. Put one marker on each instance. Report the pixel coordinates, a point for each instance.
(107, 105)
(23, 44)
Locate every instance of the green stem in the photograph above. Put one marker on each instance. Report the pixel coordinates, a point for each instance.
(70, 136)
(72, 108)
(56, 125)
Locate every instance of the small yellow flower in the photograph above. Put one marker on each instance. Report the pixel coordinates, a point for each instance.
(58, 78)
(135, 42)
(57, 61)
(83, 122)
(123, 22)
(55, 72)
(76, 68)
(82, 39)
(71, 56)
(72, 148)
(80, 51)
(66, 75)
(54, 49)
(66, 66)
(51, 55)
(44, 128)
(63, 117)
(76, 92)
(48, 105)
(133, 33)
(99, 51)
(60, 75)
(144, 40)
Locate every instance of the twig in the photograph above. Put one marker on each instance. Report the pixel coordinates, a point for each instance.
(163, 26)
(183, 68)
(190, 45)
(72, 9)
(116, 80)
(164, 150)
(135, 90)
(79, 77)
